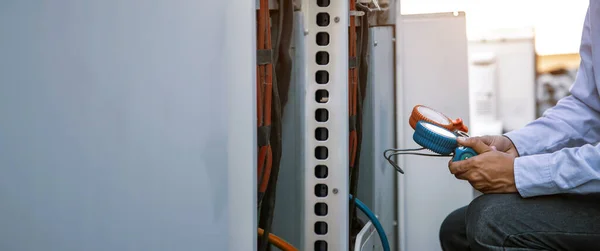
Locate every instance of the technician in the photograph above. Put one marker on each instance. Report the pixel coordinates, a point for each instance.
(541, 183)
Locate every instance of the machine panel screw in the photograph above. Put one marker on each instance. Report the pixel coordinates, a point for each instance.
(335, 191)
(336, 19)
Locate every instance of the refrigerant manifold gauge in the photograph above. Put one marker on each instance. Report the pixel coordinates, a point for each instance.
(438, 133)
(440, 140)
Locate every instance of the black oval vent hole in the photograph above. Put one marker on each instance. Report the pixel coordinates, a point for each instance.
(321, 134)
(320, 228)
(322, 58)
(320, 246)
(322, 77)
(323, 3)
(323, 19)
(322, 115)
(321, 209)
(322, 38)
(321, 153)
(322, 96)
(321, 171)
(321, 190)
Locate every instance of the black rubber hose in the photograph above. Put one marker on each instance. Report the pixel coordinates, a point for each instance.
(284, 59)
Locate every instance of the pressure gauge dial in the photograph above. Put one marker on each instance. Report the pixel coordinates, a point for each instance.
(440, 140)
(427, 114)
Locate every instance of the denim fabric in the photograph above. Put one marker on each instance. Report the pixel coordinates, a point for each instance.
(510, 222)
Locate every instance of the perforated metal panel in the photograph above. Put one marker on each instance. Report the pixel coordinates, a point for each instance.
(326, 125)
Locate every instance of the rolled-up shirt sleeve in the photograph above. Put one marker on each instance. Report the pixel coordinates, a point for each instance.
(558, 153)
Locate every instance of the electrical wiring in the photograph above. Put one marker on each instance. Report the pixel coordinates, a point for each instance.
(375, 221)
(363, 70)
(264, 86)
(282, 65)
(278, 242)
(354, 144)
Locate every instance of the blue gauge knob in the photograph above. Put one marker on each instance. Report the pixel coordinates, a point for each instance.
(463, 153)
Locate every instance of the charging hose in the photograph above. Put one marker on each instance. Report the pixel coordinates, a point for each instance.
(375, 221)
(278, 242)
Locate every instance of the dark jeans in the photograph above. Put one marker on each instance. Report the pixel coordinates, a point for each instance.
(509, 222)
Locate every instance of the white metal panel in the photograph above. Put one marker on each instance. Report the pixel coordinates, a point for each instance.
(117, 125)
(241, 114)
(330, 229)
(377, 182)
(432, 70)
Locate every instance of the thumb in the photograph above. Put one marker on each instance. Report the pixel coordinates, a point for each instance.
(476, 143)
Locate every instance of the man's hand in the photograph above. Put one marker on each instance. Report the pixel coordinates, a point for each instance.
(492, 170)
(501, 143)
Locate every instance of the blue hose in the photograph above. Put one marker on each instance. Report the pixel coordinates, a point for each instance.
(376, 223)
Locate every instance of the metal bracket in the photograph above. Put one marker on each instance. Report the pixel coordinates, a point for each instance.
(325, 208)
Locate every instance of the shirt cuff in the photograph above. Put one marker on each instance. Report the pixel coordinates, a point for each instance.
(523, 140)
(533, 175)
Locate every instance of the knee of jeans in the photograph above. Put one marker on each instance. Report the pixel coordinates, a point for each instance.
(485, 215)
(446, 230)
(452, 224)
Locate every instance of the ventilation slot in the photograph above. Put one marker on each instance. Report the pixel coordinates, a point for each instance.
(322, 115)
(321, 171)
(321, 190)
(321, 209)
(321, 134)
(322, 96)
(321, 228)
(322, 19)
(320, 246)
(322, 77)
(322, 38)
(322, 58)
(323, 3)
(321, 153)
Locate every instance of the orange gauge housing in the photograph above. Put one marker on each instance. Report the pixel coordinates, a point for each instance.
(421, 112)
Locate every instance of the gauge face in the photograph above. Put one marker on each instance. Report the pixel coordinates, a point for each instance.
(439, 130)
(434, 115)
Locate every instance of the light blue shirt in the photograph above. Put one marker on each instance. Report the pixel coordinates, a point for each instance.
(560, 152)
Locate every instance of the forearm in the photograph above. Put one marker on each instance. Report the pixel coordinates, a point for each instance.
(570, 123)
(575, 120)
(570, 170)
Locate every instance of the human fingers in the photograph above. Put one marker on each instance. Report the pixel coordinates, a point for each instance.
(487, 139)
(476, 143)
(462, 166)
